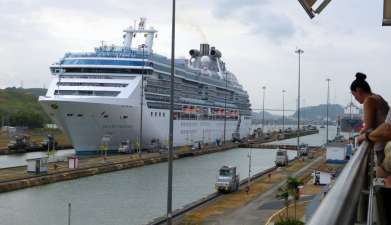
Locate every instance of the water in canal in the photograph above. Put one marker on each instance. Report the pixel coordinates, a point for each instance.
(130, 197)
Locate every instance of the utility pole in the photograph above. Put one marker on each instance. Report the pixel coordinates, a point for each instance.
(69, 213)
(263, 109)
(140, 144)
(283, 110)
(299, 52)
(171, 131)
(327, 110)
(249, 169)
(225, 106)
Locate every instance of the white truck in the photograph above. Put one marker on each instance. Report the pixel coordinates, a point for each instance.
(281, 157)
(228, 179)
(303, 150)
(125, 147)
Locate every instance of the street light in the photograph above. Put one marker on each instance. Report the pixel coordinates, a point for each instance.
(171, 131)
(327, 110)
(299, 52)
(263, 108)
(249, 155)
(141, 104)
(225, 106)
(283, 110)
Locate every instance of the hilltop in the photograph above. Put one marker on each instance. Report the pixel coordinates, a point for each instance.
(318, 113)
(20, 107)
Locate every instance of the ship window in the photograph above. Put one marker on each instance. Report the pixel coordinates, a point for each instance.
(86, 93)
(107, 70)
(105, 116)
(151, 113)
(160, 114)
(105, 62)
(69, 114)
(91, 84)
(125, 117)
(122, 77)
(155, 113)
(79, 115)
(164, 114)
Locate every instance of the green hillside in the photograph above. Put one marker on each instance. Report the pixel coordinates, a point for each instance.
(20, 107)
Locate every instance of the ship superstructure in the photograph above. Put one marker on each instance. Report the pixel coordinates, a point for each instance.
(351, 120)
(97, 95)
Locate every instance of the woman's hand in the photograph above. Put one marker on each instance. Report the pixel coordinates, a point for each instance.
(361, 138)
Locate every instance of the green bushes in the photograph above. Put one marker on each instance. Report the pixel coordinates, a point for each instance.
(289, 222)
(27, 118)
(19, 107)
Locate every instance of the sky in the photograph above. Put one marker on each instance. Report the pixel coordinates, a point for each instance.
(257, 38)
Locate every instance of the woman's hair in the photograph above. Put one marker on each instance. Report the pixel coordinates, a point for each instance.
(360, 82)
(387, 158)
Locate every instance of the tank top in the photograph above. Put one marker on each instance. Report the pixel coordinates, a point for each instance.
(380, 116)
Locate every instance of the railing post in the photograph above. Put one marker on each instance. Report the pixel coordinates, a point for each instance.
(362, 207)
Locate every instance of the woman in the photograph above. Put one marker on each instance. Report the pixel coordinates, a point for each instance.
(375, 111)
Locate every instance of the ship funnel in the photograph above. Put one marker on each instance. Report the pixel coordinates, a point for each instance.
(215, 53)
(194, 53)
(204, 49)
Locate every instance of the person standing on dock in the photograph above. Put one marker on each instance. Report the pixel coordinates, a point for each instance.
(375, 112)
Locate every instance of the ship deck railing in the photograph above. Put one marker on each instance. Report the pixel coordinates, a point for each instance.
(357, 197)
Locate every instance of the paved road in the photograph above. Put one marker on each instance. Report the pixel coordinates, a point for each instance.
(257, 211)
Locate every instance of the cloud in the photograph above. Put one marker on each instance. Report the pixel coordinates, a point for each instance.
(259, 16)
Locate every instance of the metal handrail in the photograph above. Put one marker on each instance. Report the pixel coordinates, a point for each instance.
(339, 207)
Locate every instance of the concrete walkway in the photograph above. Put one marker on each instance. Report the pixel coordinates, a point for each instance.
(257, 211)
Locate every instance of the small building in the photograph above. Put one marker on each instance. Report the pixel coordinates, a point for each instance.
(336, 155)
(37, 165)
(73, 162)
(321, 177)
(324, 174)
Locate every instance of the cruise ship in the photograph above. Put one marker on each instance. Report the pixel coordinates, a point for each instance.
(118, 94)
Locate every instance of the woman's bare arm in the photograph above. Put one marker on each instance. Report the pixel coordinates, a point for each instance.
(369, 114)
(381, 133)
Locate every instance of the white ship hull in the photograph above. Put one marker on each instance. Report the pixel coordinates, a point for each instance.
(95, 97)
(85, 124)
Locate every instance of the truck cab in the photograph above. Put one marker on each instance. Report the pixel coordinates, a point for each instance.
(227, 180)
(281, 157)
(303, 150)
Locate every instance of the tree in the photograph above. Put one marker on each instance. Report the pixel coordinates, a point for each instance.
(283, 194)
(292, 185)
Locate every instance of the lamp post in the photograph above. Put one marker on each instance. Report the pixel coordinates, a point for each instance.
(327, 110)
(249, 155)
(171, 131)
(140, 143)
(283, 110)
(225, 106)
(263, 109)
(299, 52)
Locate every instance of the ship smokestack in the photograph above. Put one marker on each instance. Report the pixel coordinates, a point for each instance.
(215, 53)
(204, 49)
(194, 53)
